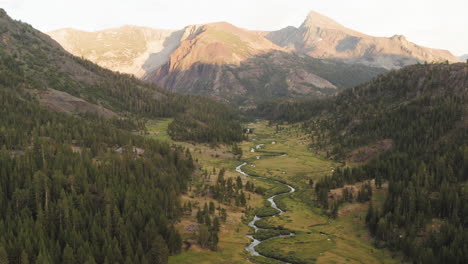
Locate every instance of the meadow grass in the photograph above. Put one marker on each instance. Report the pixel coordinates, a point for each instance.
(318, 239)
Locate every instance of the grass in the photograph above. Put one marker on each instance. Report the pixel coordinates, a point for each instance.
(269, 233)
(317, 239)
(158, 129)
(233, 232)
(301, 248)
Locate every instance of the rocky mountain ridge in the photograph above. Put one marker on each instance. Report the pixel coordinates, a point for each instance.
(321, 37)
(222, 60)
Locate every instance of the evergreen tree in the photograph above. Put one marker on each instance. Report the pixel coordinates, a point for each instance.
(3, 255)
(159, 253)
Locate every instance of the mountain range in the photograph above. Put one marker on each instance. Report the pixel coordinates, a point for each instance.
(33, 63)
(221, 60)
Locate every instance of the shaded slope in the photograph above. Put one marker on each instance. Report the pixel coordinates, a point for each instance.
(276, 74)
(407, 128)
(78, 188)
(34, 62)
(216, 59)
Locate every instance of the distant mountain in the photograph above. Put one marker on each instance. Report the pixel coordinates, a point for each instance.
(128, 49)
(32, 62)
(227, 62)
(235, 64)
(463, 57)
(216, 59)
(321, 37)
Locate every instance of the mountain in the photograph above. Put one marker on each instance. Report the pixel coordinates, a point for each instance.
(409, 129)
(242, 66)
(230, 63)
(216, 59)
(65, 83)
(463, 57)
(78, 184)
(321, 37)
(406, 131)
(129, 49)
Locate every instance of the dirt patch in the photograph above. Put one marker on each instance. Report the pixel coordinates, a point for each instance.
(366, 153)
(349, 208)
(66, 103)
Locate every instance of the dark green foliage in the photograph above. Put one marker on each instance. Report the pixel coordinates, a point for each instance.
(3, 255)
(206, 121)
(81, 189)
(209, 226)
(421, 109)
(159, 253)
(347, 195)
(263, 223)
(289, 111)
(31, 60)
(208, 237)
(266, 211)
(365, 193)
(99, 199)
(263, 234)
(236, 150)
(275, 70)
(226, 191)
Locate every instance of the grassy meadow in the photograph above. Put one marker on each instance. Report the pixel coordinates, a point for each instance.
(280, 154)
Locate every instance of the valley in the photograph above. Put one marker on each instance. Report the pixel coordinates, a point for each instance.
(300, 232)
(216, 144)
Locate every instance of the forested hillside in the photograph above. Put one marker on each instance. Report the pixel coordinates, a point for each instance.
(31, 60)
(79, 191)
(409, 128)
(76, 184)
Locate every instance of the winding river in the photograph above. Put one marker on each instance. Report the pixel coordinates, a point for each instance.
(255, 242)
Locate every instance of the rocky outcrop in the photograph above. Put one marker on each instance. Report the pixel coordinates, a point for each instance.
(321, 37)
(128, 49)
(227, 62)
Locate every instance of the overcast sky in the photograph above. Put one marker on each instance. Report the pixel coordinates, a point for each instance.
(431, 23)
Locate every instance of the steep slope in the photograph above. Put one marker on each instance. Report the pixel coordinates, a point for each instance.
(79, 188)
(238, 65)
(408, 129)
(215, 59)
(321, 37)
(420, 113)
(421, 91)
(128, 49)
(271, 75)
(33, 62)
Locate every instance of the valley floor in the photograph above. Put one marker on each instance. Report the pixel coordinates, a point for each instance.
(317, 239)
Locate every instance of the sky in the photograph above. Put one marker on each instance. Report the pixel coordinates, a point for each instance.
(430, 23)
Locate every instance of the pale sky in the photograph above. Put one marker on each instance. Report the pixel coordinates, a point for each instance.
(431, 23)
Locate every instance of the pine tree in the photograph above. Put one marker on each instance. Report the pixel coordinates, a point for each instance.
(216, 224)
(3, 255)
(159, 253)
(203, 236)
(67, 256)
(24, 259)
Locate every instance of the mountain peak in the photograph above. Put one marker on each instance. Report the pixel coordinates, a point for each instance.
(317, 20)
(399, 37)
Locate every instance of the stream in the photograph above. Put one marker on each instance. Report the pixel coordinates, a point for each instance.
(255, 242)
